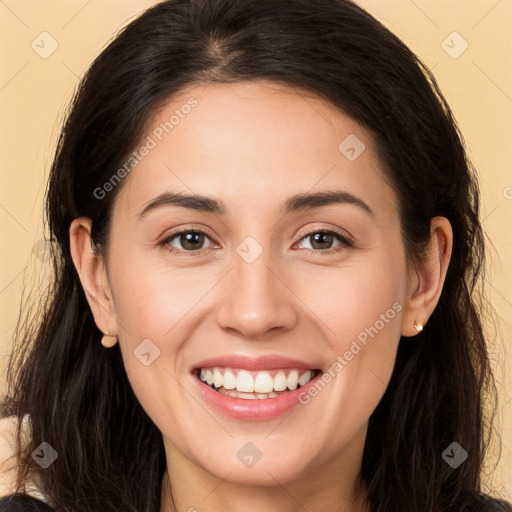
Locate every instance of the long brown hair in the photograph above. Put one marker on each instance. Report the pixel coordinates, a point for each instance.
(77, 395)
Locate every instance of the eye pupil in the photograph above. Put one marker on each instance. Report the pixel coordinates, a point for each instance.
(322, 238)
(192, 239)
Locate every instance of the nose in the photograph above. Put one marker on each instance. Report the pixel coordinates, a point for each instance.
(255, 299)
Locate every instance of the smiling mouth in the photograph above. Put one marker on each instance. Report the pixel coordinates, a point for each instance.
(254, 385)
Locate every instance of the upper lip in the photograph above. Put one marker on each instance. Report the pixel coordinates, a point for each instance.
(267, 362)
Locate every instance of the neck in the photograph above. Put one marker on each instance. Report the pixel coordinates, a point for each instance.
(330, 485)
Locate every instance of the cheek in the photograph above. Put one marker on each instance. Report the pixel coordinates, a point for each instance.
(162, 304)
(360, 311)
(153, 299)
(152, 303)
(355, 297)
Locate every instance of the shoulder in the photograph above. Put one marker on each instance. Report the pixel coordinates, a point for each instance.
(23, 503)
(488, 504)
(7, 457)
(10, 500)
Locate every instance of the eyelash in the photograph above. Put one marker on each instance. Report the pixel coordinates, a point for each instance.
(345, 242)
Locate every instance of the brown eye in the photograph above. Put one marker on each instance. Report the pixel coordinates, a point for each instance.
(322, 241)
(186, 241)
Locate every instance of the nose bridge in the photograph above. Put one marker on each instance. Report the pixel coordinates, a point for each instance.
(255, 300)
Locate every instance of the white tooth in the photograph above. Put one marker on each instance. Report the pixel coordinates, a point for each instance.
(247, 396)
(217, 378)
(203, 374)
(209, 377)
(260, 396)
(263, 383)
(280, 382)
(293, 379)
(229, 380)
(244, 381)
(305, 377)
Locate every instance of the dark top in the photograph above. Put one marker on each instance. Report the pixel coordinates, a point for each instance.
(25, 503)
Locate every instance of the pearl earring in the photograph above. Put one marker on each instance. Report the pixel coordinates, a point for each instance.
(107, 340)
(418, 326)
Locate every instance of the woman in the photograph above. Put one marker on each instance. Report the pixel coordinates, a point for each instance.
(266, 214)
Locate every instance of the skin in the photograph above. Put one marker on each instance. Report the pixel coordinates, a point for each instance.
(252, 146)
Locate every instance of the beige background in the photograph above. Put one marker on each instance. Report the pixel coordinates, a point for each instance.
(34, 92)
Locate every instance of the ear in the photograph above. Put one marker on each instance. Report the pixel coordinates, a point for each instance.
(426, 279)
(93, 275)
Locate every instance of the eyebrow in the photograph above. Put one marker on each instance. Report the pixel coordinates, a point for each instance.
(299, 202)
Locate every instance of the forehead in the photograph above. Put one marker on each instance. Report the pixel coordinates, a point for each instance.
(253, 144)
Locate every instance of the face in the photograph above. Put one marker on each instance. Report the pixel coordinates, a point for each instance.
(291, 266)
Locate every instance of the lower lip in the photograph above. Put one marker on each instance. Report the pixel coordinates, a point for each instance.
(253, 409)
